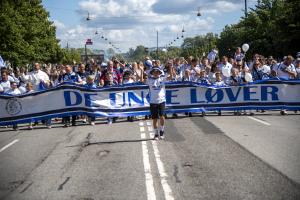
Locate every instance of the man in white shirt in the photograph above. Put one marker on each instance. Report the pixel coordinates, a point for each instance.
(5, 82)
(225, 66)
(36, 77)
(157, 94)
(286, 69)
(13, 89)
(194, 69)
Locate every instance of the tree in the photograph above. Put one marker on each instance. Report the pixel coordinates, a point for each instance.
(26, 34)
(70, 56)
(137, 54)
(271, 28)
(199, 45)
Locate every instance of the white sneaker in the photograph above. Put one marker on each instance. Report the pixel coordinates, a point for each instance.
(162, 134)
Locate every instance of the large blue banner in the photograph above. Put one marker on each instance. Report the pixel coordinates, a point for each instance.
(132, 100)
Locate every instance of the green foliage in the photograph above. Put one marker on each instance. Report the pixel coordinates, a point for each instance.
(199, 45)
(26, 34)
(71, 56)
(137, 54)
(271, 28)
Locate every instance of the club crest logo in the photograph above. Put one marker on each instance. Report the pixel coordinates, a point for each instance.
(13, 107)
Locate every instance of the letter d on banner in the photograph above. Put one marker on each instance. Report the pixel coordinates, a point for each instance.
(68, 99)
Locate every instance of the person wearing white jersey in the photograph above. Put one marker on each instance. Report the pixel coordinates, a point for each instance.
(13, 91)
(224, 66)
(5, 82)
(286, 69)
(157, 94)
(36, 77)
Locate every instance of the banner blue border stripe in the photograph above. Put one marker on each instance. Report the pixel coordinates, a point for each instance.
(138, 86)
(142, 113)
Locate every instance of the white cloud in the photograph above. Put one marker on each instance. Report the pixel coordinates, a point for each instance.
(59, 24)
(128, 23)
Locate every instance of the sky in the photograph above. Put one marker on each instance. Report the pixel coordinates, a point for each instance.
(128, 23)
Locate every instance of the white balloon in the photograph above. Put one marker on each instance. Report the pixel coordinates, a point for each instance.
(226, 72)
(266, 69)
(248, 77)
(245, 47)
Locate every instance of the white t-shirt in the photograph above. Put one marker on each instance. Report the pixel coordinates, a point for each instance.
(219, 84)
(282, 68)
(194, 71)
(221, 66)
(36, 77)
(157, 90)
(22, 89)
(128, 81)
(13, 92)
(5, 85)
(298, 73)
(212, 77)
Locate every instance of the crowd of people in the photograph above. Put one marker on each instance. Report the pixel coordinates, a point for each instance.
(207, 71)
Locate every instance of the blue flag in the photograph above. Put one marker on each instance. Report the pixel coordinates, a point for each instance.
(212, 55)
(2, 63)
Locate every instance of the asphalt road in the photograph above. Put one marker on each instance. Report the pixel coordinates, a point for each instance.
(212, 157)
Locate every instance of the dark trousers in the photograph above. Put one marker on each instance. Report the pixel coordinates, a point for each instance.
(67, 120)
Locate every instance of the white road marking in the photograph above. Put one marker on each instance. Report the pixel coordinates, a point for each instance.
(142, 129)
(141, 123)
(149, 123)
(162, 172)
(8, 145)
(150, 128)
(147, 169)
(260, 121)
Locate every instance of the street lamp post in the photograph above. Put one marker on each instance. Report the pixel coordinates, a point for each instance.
(88, 42)
(86, 58)
(245, 8)
(157, 44)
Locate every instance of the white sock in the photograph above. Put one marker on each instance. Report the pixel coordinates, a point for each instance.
(162, 128)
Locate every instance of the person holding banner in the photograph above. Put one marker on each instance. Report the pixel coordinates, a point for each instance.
(225, 68)
(36, 77)
(72, 77)
(117, 77)
(90, 84)
(5, 82)
(286, 69)
(297, 68)
(219, 83)
(82, 73)
(157, 94)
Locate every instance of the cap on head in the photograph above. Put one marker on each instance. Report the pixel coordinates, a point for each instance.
(155, 69)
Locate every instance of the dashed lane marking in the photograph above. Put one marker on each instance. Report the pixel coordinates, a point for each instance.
(260, 121)
(8, 145)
